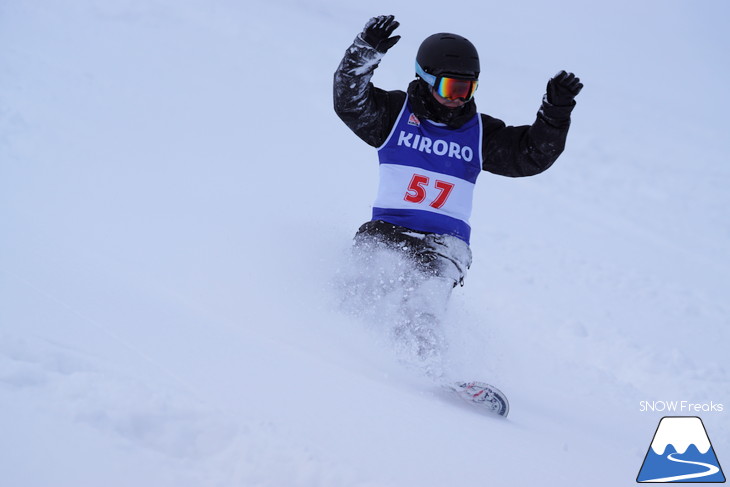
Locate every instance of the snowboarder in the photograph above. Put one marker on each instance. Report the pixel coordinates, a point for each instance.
(432, 144)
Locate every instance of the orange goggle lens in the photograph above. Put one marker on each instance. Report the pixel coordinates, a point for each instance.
(456, 89)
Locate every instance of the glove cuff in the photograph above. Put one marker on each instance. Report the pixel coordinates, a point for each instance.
(363, 44)
(545, 101)
(556, 115)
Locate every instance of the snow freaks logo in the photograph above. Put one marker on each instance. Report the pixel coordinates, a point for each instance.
(680, 452)
(680, 407)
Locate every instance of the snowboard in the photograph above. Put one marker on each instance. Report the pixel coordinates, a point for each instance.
(482, 395)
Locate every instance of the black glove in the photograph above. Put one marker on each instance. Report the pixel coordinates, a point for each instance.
(377, 32)
(563, 88)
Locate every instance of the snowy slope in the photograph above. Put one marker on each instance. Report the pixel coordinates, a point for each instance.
(177, 198)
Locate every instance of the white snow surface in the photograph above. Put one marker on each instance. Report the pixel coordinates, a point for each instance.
(177, 199)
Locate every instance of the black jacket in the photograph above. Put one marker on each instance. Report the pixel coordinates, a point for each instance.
(508, 151)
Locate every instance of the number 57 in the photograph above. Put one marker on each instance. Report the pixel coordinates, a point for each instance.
(416, 192)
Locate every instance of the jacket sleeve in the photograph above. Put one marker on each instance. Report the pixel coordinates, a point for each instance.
(368, 111)
(528, 149)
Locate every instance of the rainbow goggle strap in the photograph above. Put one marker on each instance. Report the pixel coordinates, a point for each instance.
(448, 87)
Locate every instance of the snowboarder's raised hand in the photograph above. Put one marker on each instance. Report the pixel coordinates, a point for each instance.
(563, 88)
(378, 30)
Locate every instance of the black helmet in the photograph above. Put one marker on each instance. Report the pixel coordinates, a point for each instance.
(448, 53)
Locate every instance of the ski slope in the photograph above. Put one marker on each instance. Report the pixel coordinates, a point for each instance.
(177, 198)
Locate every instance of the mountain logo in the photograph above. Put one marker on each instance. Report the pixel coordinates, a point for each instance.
(413, 120)
(681, 452)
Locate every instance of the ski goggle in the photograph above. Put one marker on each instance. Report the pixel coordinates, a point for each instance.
(449, 87)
